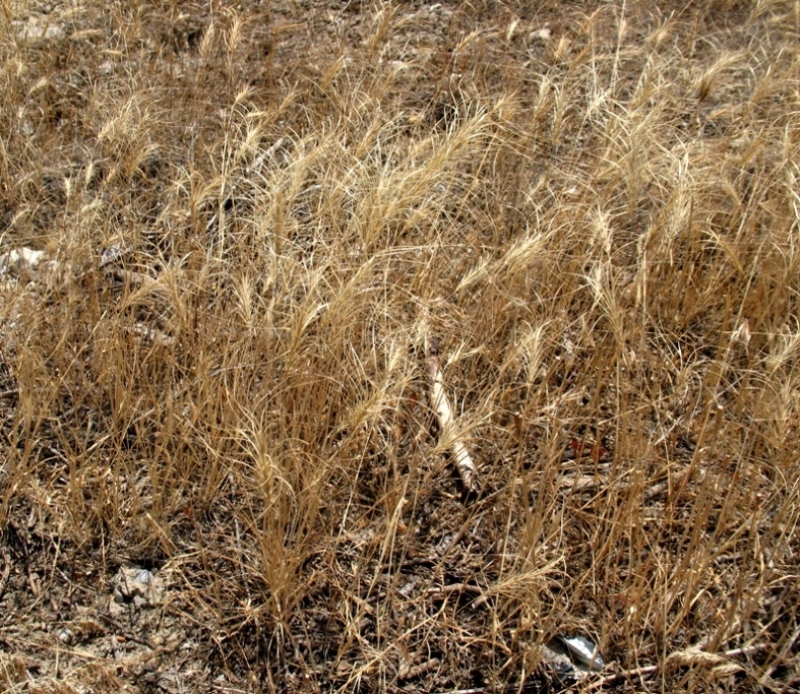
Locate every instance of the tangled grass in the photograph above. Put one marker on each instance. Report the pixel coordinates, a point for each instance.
(597, 205)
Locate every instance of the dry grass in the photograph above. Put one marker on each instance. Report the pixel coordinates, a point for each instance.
(603, 225)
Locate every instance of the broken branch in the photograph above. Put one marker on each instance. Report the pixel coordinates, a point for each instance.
(464, 463)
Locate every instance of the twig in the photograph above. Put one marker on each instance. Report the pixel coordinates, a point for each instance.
(649, 669)
(583, 483)
(500, 689)
(455, 588)
(464, 463)
(136, 279)
(664, 486)
(418, 670)
(152, 334)
(6, 570)
(241, 557)
(586, 483)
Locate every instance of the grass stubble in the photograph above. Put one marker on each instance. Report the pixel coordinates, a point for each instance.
(597, 204)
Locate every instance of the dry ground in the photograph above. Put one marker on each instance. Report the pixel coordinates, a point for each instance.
(219, 376)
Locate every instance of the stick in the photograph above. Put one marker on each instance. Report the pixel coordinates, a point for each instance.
(649, 669)
(6, 555)
(464, 463)
(441, 591)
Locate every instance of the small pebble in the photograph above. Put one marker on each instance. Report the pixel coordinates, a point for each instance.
(145, 577)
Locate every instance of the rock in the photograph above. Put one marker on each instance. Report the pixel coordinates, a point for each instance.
(542, 34)
(135, 587)
(39, 30)
(571, 658)
(27, 267)
(583, 653)
(14, 262)
(112, 255)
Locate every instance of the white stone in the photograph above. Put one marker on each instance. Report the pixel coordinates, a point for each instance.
(19, 259)
(39, 30)
(135, 587)
(542, 34)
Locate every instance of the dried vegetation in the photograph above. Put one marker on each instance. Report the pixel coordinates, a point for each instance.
(597, 205)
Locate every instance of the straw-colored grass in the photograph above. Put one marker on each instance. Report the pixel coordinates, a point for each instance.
(597, 205)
